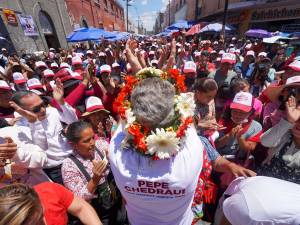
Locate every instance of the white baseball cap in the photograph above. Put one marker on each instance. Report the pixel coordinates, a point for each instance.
(197, 54)
(263, 54)
(76, 61)
(70, 56)
(229, 58)
(19, 78)
(51, 49)
(102, 54)
(34, 83)
(114, 65)
(189, 67)
(295, 65)
(154, 61)
(64, 65)
(93, 104)
(248, 46)
(4, 85)
(39, 64)
(250, 53)
(242, 101)
(54, 65)
(48, 73)
(151, 53)
(89, 52)
(105, 68)
(221, 52)
(292, 81)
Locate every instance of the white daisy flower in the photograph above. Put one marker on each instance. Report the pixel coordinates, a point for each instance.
(185, 104)
(163, 144)
(130, 118)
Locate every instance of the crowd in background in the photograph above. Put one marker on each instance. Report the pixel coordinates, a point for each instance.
(57, 117)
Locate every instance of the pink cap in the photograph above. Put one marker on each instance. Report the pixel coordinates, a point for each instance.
(93, 104)
(34, 83)
(263, 54)
(19, 78)
(250, 53)
(76, 60)
(114, 65)
(4, 85)
(48, 73)
(189, 67)
(105, 68)
(295, 65)
(229, 58)
(39, 64)
(242, 101)
(64, 65)
(54, 65)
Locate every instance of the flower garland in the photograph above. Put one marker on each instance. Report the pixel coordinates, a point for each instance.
(163, 142)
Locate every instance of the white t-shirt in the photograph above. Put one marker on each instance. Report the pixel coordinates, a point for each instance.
(262, 201)
(157, 192)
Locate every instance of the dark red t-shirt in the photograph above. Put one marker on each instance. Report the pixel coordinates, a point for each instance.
(56, 200)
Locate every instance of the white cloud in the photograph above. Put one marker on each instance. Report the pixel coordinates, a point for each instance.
(144, 2)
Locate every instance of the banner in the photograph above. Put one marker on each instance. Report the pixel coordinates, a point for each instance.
(28, 25)
(10, 16)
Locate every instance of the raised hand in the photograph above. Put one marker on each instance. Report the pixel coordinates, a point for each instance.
(292, 111)
(99, 168)
(30, 116)
(58, 92)
(8, 149)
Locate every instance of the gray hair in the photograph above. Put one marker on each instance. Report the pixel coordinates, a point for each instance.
(17, 97)
(153, 102)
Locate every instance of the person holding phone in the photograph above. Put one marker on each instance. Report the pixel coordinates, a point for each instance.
(86, 171)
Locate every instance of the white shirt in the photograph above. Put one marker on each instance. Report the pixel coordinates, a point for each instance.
(157, 192)
(262, 201)
(48, 134)
(28, 156)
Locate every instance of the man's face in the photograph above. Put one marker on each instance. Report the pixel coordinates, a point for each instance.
(239, 116)
(225, 66)
(34, 104)
(105, 77)
(5, 96)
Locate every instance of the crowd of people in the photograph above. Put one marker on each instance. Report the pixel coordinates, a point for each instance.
(174, 130)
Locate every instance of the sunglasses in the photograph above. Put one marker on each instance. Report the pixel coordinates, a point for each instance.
(38, 108)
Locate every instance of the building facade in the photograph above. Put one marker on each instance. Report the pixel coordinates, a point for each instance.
(272, 15)
(35, 25)
(180, 10)
(106, 14)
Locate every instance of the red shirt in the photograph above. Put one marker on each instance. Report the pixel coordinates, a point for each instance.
(56, 200)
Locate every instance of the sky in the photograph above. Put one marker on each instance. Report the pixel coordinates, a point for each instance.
(147, 10)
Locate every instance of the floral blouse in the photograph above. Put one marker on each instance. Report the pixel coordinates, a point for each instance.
(74, 179)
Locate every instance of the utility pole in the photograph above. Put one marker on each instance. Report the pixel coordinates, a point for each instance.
(169, 12)
(127, 4)
(224, 18)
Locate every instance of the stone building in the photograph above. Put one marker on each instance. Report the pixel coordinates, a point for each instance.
(34, 25)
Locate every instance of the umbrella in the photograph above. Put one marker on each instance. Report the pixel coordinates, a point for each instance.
(215, 27)
(179, 25)
(195, 29)
(119, 36)
(89, 34)
(258, 33)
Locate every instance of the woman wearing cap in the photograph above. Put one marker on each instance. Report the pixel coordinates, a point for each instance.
(98, 117)
(283, 141)
(242, 132)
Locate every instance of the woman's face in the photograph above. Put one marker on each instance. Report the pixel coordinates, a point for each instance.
(96, 118)
(239, 116)
(205, 97)
(85, 147)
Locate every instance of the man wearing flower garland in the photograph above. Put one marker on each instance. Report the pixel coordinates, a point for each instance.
(155, 154)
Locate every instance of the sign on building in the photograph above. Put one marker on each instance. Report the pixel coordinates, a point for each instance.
(28, 25)
(10, 16)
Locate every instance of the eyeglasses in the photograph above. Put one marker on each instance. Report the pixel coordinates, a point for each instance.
(38, 108)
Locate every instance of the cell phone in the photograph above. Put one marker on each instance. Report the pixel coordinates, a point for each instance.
(2, 140)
